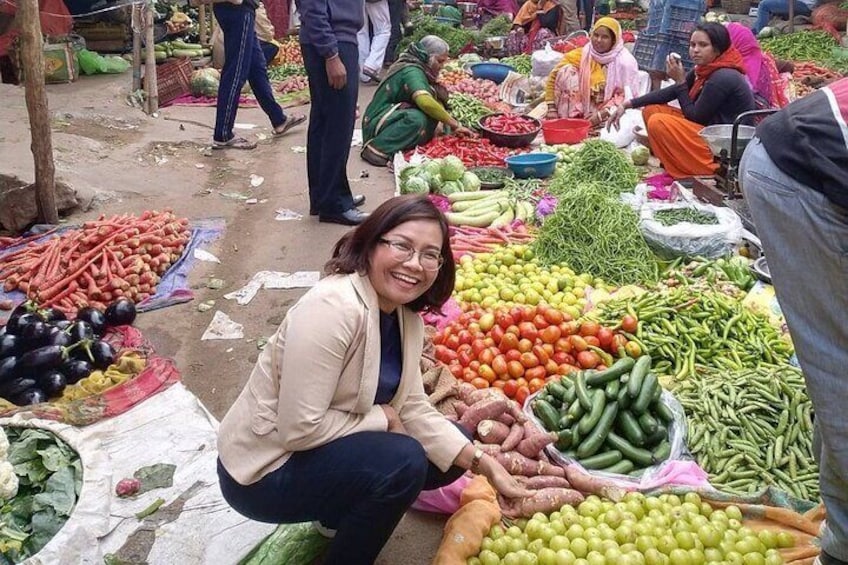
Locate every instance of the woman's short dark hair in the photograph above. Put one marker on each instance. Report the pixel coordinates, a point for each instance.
(718, 34)
(352, 253)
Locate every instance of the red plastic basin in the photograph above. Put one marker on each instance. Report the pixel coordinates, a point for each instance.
(565, 130)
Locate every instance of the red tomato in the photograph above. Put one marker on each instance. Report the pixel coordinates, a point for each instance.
(452, 342)
(540, 322)
(549, 349)
(504, 320)
(510, 388)
(508, 343)
(563, 344)
(438, 339)
(535, 373)
(588, 359)
(486, 357)
(551, 367)
(489, 342)
(474, 365)
(496, 334)
(513, 355)
(551, 334)
(498, 384)
(618, 341)
(593, 341)
(528, 331)
(477, 346)
(525, 345)
(541, 354)
(605, 336)
(474, 329)
(516, 369)
(529, 360)
(465, 358)
(554, 316)
(464, 347)
(487, 373)
(566, 369)
(499, 365)
(479, 382)
(633, 350)
(589, 328)
(569, 328)
(521, 394)
(465, 336)
(629, 324)
(578, 343)
(536, 384)
(456, 370)
(560, 357)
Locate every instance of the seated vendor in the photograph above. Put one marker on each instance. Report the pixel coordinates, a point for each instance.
(495, 8)
(408, 105)
(767, 9)
(714, 92)
(760, 68)
(594, 77)
(536, 15)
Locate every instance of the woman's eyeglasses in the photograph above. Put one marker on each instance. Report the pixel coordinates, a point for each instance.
(403, 252)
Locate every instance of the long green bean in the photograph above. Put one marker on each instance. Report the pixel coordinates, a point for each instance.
(598, 161)
(467, 109)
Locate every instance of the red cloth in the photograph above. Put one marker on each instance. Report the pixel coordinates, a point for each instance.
(730, 59)
(55, 21)
(278, 13)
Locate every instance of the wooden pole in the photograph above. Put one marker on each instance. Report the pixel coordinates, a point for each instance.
(791, 16)
(150, 85)
(32, 60)
(136, 48)
(201, 14)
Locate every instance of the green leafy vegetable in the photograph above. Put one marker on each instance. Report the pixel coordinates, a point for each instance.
(160, 475)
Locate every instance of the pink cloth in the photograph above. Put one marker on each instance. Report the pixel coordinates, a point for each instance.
(760, 69)
(278, 13)
(622, 68)
(498, 7)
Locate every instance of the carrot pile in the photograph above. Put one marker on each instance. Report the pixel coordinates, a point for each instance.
(99, 262)
(466, 240)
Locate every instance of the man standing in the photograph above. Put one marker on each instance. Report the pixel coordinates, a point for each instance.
(331, 57)
(372, 47)
(794, 178)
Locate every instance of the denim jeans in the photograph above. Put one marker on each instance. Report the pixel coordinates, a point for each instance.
(244, 62)
(360, 485)
(770, 8)
(332, 117)
(805, 239)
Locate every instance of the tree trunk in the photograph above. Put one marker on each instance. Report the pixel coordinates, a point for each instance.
(150, 84)
(32, 60)
(136, 47)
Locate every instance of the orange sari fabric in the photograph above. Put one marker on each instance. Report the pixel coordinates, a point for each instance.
(676, 143)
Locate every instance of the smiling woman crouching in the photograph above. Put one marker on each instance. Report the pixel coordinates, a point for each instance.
(333, 424)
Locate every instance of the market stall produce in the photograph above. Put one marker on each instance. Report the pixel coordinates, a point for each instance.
(473, 151)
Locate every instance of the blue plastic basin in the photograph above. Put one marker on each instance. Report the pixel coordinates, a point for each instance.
(495, 72)
(532, 165)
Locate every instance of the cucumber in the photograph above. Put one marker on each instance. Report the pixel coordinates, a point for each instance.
(612, 389)
(583, 392)
(547, 414)
(648, 424)
(565, 422)
(190, 53)
(575, 436)
(177, 44)
(593, 442)
(590, 420)
(623, 398)
(617, 369)
(481, 221)
(660, 435)
(639, 456)
(570, 395)
(468, 205)
(601, 460)
(629, 426)
(563, 441)
(479, 195)
(556, 390)
(623, 467)
(550, 399)
(640, 369)
(575, 411)
(663, 412)
(646, 394)
(662, 452)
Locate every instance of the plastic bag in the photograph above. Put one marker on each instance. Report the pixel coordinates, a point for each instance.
(688, 239)
(544, 60)
(677, 469)
(444, 500)
(624, 136)
(93, 63)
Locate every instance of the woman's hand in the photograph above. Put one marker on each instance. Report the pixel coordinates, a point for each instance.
(463, 131)
(336, 72)
(507, 485)
(674, 69)
(395, 425)
(615, 118)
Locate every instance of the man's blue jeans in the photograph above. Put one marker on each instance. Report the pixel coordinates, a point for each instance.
(805, 239)
(360, 485)
(767, 9)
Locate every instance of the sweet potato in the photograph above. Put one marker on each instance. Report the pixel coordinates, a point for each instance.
(483, 410)
(505, 418)
(518, 464)
(516, 434)
(461, 408)
(474, 395)
(492, 431)
(545, 500)
(544, 481)
(588, 484)
(532, 445)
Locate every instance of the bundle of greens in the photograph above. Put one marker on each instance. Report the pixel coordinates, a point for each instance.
(598, 161)
(496, 27)
(285, 71)
(596, 233)
(456, 37)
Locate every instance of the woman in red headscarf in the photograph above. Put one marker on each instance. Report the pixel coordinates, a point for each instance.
(714, 92)
(760, 68)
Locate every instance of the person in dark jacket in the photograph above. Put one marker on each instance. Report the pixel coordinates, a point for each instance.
(714, 92)
(245, 62)
(794, 176)
(331, 57)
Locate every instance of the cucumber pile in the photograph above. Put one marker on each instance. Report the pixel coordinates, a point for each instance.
(611, 420)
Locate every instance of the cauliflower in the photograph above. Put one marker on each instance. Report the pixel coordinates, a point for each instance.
(8, 481)
(4, 445)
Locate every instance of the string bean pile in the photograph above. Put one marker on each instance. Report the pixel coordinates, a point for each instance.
(685, 327)
(467, 109)
(752, 429)
(674, 216)
(598, 161)
(596, 234)
(521, 63)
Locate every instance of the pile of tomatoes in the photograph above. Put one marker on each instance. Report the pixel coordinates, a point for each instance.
(518, 349)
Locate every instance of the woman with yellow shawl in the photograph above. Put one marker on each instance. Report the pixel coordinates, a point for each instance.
(594, 77)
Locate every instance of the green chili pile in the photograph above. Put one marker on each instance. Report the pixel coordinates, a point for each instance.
(281, 72)
(521, 63)
(467, 109)
(674, 216)
(751, 429)
(597, 234)
(598, 161)
(801, 46)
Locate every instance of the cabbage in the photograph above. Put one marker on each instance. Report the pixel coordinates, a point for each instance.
(452, 168)
(414, 185)
(451, 186)
(436, 182)
(204, 82)
(640, 155)
(433, 167)
(470, 182)
(409, 171)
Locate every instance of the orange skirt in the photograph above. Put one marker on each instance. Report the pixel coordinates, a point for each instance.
(676, 143)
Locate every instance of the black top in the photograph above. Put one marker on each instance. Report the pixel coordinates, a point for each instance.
(725, 95)
(808, 140)
(391, 359)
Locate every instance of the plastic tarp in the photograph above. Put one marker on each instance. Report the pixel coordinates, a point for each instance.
(195, 525)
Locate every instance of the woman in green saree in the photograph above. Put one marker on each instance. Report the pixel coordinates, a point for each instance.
(408, 105)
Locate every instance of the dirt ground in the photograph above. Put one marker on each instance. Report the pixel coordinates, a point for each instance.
(121, 160)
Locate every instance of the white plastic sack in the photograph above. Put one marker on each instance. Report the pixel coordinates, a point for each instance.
(624, 136)
(544, 60)
(688, 239)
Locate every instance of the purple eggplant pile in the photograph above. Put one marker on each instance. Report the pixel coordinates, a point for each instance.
(41, 351)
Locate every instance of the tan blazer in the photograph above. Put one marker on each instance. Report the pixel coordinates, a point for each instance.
(316, 381)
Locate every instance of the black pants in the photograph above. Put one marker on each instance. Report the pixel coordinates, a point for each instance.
(332, 116)
(397, 11)
(360, 485)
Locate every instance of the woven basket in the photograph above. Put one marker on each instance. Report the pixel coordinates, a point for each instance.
(173, 79)
(736, 6)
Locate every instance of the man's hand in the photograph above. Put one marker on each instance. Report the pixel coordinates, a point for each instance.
(336, 73)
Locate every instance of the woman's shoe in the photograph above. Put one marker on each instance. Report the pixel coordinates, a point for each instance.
(372, 157)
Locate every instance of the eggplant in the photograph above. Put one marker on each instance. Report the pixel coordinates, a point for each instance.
(56, 336)
(103, 353)
(61, 324)
(79, 331)
(8, 369)
(52, 315)
(46, 357)
(10, 345)
(121, 312)
(95, 318)
(16, 325)
(29, 396)
(35, 333)
(52, 382)
(75, 369)
(10, 389)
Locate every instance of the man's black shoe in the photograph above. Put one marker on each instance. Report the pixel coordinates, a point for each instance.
(352, 217)
(358, 200)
